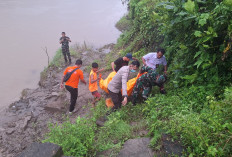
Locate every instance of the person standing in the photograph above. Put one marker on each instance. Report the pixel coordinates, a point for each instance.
(122, 61)
(153, 60)
(64, 40)
(93, 79)
(71, 84)
(119, 82)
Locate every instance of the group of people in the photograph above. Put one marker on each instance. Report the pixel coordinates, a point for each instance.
(118, 85)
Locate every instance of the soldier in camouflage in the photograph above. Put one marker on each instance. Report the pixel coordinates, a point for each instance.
(145, 83)
(64, 40)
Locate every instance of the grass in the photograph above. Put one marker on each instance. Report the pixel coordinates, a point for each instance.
(110, 138)
(123, 24)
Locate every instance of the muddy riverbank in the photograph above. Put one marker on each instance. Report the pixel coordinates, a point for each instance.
(26, 121)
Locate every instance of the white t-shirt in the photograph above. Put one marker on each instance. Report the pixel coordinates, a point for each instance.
(152, 60)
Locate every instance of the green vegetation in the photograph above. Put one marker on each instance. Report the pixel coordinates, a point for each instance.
(82, 130)
(123, 24)
(197, 37)
(83, 138)
(58, 60)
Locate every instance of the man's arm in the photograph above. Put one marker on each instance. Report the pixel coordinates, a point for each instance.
(92, 79)
(83, 81)
(135, 59)
(82, 77)
(165, 69)
(165, 65)
(100, 70)
(124, 87)
(61, 40)
(112, 65)
(62, 82)
(144, 61)
(68, 39)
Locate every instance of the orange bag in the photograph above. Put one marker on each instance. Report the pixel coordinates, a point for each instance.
(109, 103)
(131, 83)
(104, 83)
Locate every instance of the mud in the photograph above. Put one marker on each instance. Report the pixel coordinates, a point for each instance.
(26, 120)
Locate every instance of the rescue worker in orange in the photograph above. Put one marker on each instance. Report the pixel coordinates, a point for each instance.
(71, 84)
(93, 79)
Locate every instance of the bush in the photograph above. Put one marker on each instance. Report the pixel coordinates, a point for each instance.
(114, 132)
(205, 133)
(123, 24)
(75, 139)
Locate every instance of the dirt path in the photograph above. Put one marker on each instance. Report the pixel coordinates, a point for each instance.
(25, 121)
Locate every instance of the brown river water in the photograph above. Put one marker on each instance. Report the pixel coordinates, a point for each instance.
(27, 26)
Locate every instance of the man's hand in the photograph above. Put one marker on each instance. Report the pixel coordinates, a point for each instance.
(83, 81)
(102, 69)
(112, 65)
(144, 61)
(61, 86)
(124, 102)
(135, 59)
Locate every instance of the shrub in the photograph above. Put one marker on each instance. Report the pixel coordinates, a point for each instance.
(75, 139)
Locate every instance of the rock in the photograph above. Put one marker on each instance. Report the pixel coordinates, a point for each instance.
(143, 133)
(11, 125)
(10, 131)
(42, 150)
(55, 94)
(105, 153)
(2, 129)
(170, 147)
(54, 106)
(136, 148)
(100, 123)
(25, 122)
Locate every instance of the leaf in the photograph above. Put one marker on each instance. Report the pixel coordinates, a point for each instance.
(198, 33)
(202, 22)
(205, 46)
(228, 3)
(205, 65)
(169, 7)
(197, 54)
(190, 6)
(182, 13)
(214, 57)
(183, 47)
(198, 63)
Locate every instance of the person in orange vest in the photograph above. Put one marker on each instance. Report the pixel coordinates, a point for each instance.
(93, 88)
(71, 84)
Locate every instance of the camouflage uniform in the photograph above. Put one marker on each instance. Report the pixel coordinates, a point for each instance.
(65, 48)
(145, 83)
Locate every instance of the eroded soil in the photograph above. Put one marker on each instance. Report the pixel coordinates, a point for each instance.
(26, 121)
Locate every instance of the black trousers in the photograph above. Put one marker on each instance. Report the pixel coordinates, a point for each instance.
(117, 100)
(74, 94)
(65, 51)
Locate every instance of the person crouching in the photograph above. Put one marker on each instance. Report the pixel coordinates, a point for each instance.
(119, 82)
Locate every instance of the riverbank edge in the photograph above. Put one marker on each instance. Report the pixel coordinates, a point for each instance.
(22, 116)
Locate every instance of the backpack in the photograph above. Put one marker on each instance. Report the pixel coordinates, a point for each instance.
(68, 75)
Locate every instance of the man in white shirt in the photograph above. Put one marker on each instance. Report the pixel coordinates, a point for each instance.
(154, 59)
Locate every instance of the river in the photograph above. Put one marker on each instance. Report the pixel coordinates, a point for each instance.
(27, 26)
